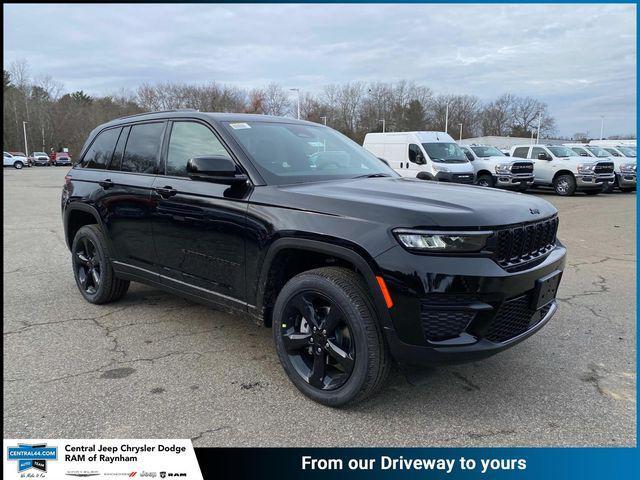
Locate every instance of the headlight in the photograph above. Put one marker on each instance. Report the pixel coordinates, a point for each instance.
(503, 168)
(440, 168)
(426, 241)
(628, 168)
(586, 168)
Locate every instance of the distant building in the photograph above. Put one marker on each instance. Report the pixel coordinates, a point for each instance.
(507, 142)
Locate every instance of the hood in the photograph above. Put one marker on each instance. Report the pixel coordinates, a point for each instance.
(410, 202)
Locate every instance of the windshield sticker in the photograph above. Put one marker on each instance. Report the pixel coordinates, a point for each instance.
(239, 126)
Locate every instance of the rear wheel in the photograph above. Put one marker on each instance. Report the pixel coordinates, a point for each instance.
(564, 185)
(327, 337)
(485, 180)
(92, 267)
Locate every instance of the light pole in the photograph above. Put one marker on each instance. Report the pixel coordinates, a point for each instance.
(538, 134)
(297, 90)
(601, 126)
(43, 147)
(384, 125)
(324, 119)
(24, 130)
(460, 131)
(446, 120)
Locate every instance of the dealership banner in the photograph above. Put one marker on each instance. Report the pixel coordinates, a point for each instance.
(65, 458)
(171, 458)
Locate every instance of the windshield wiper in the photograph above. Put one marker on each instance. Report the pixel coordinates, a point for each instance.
(373, 175)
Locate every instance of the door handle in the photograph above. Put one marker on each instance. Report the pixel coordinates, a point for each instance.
(106, 183)
(166, 191)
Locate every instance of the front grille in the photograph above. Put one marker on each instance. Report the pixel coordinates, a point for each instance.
(463, 178)
(521, 244)
(522, 167)
(514, 317)
(603, 167)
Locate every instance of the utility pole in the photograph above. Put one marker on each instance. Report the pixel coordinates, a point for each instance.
(24, 130)
(43, 147)
(539, 122)
(324, 119)
(460, 131)
(384, 125)
(601, 127)
(446, 120)
(297, 90)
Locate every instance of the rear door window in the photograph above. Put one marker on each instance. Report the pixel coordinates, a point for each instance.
(99, 153)
(143, 148)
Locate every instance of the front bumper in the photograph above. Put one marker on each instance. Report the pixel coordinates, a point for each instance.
(451, 310)
(594, 181)
(626, 180)
(514, 181)
(466, 178)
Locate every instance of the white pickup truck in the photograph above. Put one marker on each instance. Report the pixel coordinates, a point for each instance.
(624, 166)
(564, 170)
(495, 169)
(15, 161)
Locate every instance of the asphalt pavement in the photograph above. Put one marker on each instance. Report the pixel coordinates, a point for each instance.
(157, 366)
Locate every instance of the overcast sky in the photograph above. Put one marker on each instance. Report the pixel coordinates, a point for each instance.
(580, 59)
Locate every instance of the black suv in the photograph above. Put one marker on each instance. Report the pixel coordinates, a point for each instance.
(298, 227)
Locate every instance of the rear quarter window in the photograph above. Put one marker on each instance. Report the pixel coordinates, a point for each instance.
(99, 153)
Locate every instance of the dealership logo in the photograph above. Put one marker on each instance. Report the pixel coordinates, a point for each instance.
(32, 456)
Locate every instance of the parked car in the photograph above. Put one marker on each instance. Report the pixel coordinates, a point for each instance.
(39, 159)
(62, 158)
(423, 155)
(301, 229)
(564, 170)
(624, 167)
(494, 169)
(15, 161)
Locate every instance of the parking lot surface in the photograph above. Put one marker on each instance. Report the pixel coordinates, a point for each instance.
(154, 365)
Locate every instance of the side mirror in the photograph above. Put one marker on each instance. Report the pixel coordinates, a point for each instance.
(543, 156)
(420, 159)
(217, 168)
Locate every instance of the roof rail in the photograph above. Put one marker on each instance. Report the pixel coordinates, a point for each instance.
(159, 111)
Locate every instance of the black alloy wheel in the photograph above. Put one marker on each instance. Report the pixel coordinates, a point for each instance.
(328, 338)
(88, 266)
(318, 341)
(92, 267)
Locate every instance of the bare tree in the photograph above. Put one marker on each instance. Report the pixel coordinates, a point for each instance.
(497, 116)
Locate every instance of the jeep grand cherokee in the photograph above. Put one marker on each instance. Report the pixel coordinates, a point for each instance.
(298, 227)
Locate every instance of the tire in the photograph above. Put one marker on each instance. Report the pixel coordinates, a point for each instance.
(595, 192)
(92, 268)
(564, 185)
(485, 180)
(18, 165)
(365, 357)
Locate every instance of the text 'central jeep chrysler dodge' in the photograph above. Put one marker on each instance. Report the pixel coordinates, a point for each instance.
(295, 225)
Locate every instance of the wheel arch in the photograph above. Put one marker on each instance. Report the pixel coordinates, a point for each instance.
(77, 216)
(563, 172)
(342, 256)
(484, 171)
(425, 176)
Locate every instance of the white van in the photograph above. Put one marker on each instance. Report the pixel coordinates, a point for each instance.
(425, 155)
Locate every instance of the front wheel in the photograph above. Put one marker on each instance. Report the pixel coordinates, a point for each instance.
(327, 337)
(564, 185)
(18, 165)
(485, 181)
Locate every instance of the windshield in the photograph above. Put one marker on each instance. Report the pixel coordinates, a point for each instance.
(445, 152)
(562, 152)
(487, 152)
(599, 152)
(628, 151)
(286, 153)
